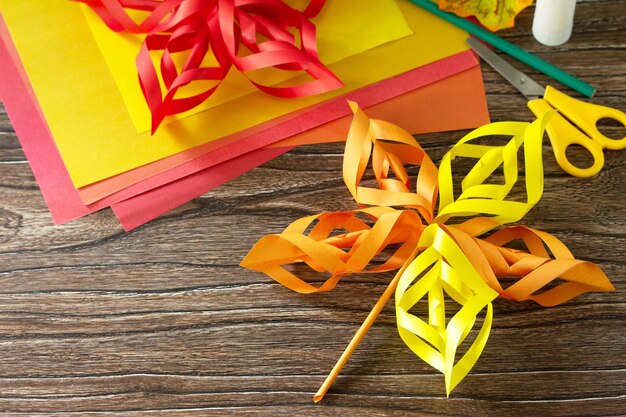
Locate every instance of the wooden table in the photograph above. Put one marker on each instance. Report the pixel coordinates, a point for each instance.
(163, 321)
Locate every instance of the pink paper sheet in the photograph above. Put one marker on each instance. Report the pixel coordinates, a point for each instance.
(36, 139)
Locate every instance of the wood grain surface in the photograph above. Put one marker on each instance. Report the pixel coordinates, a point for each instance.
(162, 320)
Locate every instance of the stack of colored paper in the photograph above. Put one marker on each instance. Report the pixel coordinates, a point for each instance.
(69, 84)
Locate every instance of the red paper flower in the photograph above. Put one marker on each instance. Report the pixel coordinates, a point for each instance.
(247, 34)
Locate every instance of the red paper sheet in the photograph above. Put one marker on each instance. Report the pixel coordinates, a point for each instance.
(139, 210)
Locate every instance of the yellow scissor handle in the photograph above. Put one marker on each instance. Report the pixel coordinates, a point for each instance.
(586, 116)
(563, 134)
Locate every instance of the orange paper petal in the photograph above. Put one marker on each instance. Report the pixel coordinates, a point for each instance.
(534, 268)
(325, 250)
(389, 148)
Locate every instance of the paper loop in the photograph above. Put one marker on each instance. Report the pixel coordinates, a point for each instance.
(389, 148)
(535, 268)
(480, 198)
(113, 13)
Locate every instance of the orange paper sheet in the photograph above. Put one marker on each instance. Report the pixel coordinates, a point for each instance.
(428, 109)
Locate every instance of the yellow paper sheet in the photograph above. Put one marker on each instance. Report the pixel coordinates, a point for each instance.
(89, 121)
(343, 30)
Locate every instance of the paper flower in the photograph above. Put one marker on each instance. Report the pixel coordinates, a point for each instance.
(432, 255)
(215, 35)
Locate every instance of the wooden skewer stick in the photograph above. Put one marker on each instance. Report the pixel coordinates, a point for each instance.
(360, 334)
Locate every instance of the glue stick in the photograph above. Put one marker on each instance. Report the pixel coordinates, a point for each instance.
(552, 24)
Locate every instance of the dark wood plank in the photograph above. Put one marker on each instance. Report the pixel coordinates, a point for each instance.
(163, 321)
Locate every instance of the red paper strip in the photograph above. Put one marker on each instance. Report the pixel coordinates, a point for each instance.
(113, 13)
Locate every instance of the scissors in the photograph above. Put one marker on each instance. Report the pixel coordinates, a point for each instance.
(575, 122)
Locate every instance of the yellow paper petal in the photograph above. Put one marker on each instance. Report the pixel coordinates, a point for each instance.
(442, 266)
(493, 14)
(480, 198)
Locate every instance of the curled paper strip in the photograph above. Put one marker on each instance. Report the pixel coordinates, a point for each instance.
(534, 267)
(113, 13)
(215, 35)
(434, 258)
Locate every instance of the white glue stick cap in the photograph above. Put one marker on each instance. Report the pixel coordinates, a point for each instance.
(552, 24)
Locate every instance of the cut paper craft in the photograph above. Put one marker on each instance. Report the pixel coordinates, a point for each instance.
(493, 14)
(220, 31)
(409, 110)
(337, 38)
(322, 249)
(77, 107)
(450, 259)
(533, 266)
(426, 109)
(63, 204)
(443, 267)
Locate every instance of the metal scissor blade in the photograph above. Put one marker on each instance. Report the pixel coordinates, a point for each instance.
(526, 85)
